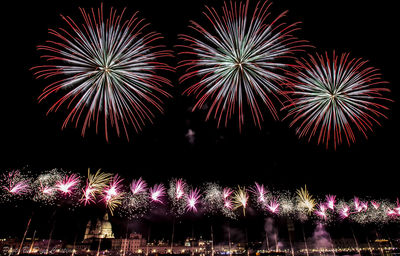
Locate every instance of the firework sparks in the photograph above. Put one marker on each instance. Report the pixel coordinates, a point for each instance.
(113, 193)
(46, 190)
(68, 184)
(359, 206)
(305, 199)
(215, 200)
(227, 193)
(335, 97)
(273, 206)
(179, 189)
(345, 211)
(240, 199)
(260, 193)
(157, 192)
(138, 186)
(395, 211)
(16, 184)
(106, 67)
(95, 184)
(46, 186)
(330, 201)
(193, 200)
(321, 212)
(375, 204)
(237, 62)
(228, 204)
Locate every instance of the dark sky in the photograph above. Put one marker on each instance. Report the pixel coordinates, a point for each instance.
(272, 155)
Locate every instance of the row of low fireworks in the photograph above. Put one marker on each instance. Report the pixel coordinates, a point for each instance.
(179, 198)
(241, 65)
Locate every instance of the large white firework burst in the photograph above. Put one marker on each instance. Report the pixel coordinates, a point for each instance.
(106, 69)
(239, 61)
(333, 97)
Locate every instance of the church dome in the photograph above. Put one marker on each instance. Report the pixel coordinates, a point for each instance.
(106, 228)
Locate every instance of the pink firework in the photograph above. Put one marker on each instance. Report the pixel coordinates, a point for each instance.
(193, 200)
(20, 188)
(397, 208)
(138, 186)
(15, 183)
(392, 213)
(113, 189)
(179, 188)
(273, 206)
(344, 212)
(157, 192)
(88, 195)
(330, 201)
(112, 195)
(237, 62)
(357, 205)
(228, 204)
(68, 184)
(333, 97)
(364, 206)
(375, 204)
(260, 192)
(227, 192)
(360, 206)
(321, 212)
(105, 68)
(46, 189)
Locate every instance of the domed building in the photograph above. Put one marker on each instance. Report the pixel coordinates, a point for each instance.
(102, 229)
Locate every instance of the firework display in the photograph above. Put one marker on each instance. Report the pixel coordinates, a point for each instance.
(332, 97)
(238, 61)
(241, 65)
(136, 199)
(95, 185)
(106, 69)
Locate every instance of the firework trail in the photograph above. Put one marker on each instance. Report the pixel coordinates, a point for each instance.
(106, 67)
(95, 184)
(333, 97)
(68, 184)
(193, 199)
(238, 61)
(305, 199)
(240, 199)
(113, 194)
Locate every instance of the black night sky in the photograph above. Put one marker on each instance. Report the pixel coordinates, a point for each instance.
(272, 155)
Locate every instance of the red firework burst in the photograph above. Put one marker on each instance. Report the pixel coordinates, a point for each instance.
(105, 67)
